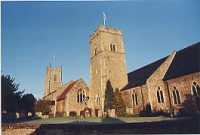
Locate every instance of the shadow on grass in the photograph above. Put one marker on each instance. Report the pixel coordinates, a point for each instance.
(110, 120)
(115, 126)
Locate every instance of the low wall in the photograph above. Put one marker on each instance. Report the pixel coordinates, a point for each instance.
(19, 129)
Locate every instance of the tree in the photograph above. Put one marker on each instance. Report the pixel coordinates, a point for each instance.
(10, 94)
(43, 106)
(119, 105)
(109, 97)
(27, 103)
(191, 105)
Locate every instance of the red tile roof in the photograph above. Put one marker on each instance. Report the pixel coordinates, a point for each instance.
(69, 87)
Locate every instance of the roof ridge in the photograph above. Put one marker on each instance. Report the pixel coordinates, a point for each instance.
(148, 64)
(189, 47)
(61, 96)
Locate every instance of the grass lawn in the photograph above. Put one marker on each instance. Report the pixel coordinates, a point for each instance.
(110, 126)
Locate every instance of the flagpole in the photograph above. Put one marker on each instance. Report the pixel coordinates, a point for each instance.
(104, 19)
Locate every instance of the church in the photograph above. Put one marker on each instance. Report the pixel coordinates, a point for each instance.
(163, 85)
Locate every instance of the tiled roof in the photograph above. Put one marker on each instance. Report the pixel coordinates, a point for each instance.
(139, 76)
(185, 62)
(67, 89)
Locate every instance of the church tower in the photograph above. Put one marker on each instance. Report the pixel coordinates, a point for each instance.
(107, 63)
(53, 79)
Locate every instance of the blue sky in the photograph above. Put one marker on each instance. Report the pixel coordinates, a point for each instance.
(34, 32)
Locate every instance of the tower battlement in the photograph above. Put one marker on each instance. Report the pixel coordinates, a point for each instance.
(106, 29)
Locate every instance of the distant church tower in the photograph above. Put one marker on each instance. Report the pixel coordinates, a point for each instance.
(107, 63)
(53, 79)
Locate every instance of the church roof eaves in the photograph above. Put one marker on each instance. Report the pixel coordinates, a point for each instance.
(139, 76)
(67, 89)
(186, 61)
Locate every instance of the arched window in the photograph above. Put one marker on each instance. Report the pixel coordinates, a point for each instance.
(195, 89)
(113, 47)
(160, 96)
(110, 47)
(80, 96)
(84, 95)
(176, 96)
(98, 99)
(135, 99)
(95, 51)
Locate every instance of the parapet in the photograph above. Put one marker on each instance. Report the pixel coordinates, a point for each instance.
(107, 29)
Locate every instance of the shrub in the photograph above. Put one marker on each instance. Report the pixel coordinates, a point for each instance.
(43, 106)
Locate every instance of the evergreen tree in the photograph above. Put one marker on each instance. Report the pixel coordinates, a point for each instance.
(27, 103)
(119, 105)
(10, 96)
(109, 97)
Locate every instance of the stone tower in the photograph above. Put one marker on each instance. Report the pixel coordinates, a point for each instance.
(107, 63)
(53, 79)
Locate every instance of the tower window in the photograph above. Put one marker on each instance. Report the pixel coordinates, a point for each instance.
(95, 51)
(113, 47)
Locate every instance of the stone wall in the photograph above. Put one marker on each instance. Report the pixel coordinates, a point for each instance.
(184, 85)
(155, 84)
(142, 99)
(71, 104)
(60, 106)
(106, 64)
(19, 129)
(147, 94)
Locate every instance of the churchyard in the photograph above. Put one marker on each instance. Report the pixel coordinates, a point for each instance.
(109, 126)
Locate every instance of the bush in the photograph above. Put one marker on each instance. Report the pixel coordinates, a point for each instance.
(190, 106)
(147, 112)
(43, 106)
(72, 114)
